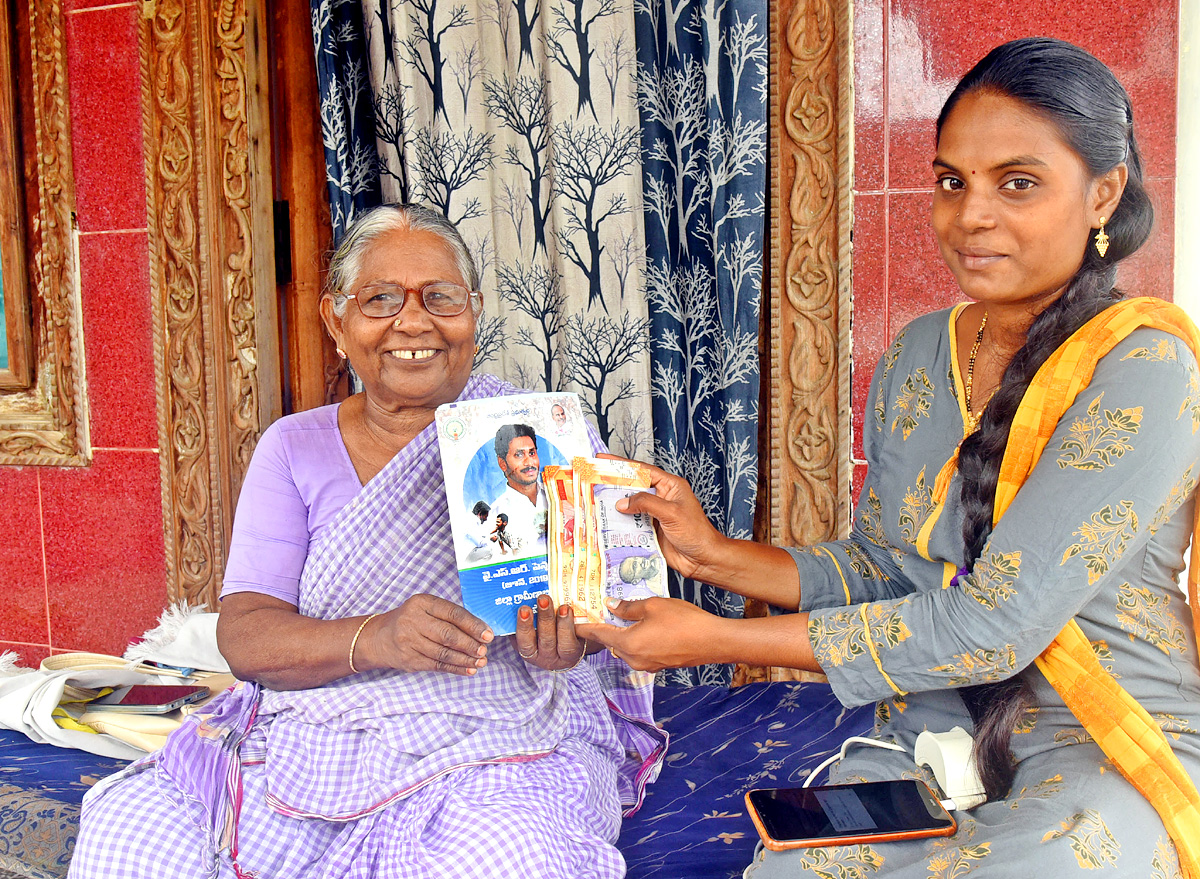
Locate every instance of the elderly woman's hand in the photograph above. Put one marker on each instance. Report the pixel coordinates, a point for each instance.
(551, 643)
(426, 633)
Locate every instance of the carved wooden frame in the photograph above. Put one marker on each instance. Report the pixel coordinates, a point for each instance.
(47, 423)
(805, 454)
(811, 166)
(211, 268)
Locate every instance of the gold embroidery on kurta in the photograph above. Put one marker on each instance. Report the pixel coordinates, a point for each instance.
(889, 361)
(959, 861)
(992, 580)
(870, 522)
(1163, 351)
(913, 402)
(884, 709)
(1103, 538)
(1091, 840)
(1181, 491)
(883, 714)
(1043, 790)
(1027, 721)
(1165, 862)
(979, 666)
(1146, 615)
(1104, 656)
(1074, 736)
(841, 636)
(956, 856)
(1097, 440)
(841, 861)
(1191, 403)
(915, 508)
(862, 563)
(922, 774)
(1172, 725)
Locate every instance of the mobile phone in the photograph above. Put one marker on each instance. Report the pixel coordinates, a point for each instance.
(149, 698)
(847, 814)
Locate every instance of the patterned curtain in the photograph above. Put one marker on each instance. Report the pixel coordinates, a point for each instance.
(347, 113)
(703, 95)
(606, 160)
(519, 120)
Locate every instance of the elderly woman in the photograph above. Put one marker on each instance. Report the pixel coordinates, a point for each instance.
(382, 730)
(1014, 559)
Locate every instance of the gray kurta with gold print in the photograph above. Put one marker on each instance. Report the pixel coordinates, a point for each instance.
(1098, 532)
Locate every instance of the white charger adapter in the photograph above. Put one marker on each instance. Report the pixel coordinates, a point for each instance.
(950, 755)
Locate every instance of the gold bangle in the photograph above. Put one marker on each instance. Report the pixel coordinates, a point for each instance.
(354, 642)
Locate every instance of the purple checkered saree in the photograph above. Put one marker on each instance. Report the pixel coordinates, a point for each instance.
(361, 744)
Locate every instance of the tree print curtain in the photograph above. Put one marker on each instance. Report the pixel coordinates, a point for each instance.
(518, 119)
(606, 161)
(703, 96)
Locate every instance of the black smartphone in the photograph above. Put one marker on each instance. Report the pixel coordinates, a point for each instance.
(149, 698)
(847, 814)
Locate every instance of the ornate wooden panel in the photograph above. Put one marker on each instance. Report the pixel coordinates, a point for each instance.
(807, 494)
(211, 268)
(810, 284)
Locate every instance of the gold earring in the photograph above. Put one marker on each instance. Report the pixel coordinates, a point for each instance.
(1102, 239)
(340, 353)
(476, 350)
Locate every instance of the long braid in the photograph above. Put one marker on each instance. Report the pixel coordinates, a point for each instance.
(1092, 111)
(997, 708)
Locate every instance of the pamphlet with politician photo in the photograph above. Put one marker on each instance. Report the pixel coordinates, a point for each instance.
(493, 453)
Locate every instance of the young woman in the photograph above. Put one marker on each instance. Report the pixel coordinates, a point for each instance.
(1031, 492)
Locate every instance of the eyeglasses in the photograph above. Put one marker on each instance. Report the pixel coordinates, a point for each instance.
(440, 298)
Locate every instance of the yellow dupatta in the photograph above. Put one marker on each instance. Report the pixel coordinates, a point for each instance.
(1121, 727)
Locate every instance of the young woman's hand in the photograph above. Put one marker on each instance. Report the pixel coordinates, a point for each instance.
(670, 633)
(689, 542)
(666, 633)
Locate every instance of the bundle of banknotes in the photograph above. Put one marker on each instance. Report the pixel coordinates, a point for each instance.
(596, 552)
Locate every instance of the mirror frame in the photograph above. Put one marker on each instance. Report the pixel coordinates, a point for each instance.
(14, 286)
(45, 422)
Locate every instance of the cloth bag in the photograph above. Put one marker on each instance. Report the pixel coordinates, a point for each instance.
(29, 699)
(32, 700)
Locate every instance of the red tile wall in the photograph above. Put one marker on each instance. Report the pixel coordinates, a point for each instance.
(81, 561)
(908, 54)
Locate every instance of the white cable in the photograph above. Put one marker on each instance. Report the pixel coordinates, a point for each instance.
(861, 740)
(948, 804)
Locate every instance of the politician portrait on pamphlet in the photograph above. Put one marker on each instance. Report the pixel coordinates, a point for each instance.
(493, 453)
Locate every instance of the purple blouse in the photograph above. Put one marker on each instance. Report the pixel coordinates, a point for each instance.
(301, 479)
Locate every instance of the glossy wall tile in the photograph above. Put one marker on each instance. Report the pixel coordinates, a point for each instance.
(104, 66)
(105, 567)
(114, 272)
(82, 564)
(908, 55)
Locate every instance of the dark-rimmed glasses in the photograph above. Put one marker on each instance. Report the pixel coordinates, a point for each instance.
(441, 299)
